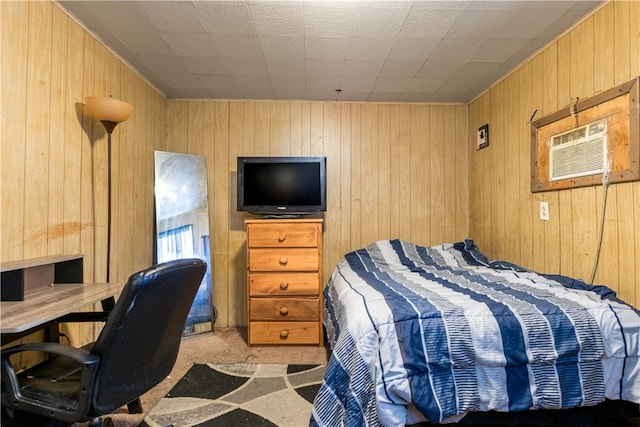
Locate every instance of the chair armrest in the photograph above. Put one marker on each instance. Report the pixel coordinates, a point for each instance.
(77, 354)
(12, 396)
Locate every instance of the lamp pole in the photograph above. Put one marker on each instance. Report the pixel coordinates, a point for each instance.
(109, 126)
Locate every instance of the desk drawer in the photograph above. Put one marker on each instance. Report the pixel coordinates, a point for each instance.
(301, 259)
(290, 284)
(299, 235)
(284, 333)
(275, 309)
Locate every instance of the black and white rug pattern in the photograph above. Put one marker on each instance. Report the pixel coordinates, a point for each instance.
(240, 395)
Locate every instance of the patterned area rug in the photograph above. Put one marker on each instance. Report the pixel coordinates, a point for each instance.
(240, 395)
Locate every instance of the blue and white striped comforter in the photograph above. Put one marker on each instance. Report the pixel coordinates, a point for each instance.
(432, 333)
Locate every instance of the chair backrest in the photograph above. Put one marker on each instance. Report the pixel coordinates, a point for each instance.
(139, 342)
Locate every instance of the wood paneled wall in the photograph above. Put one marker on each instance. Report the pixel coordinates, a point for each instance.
(54, 156)
(599, 53)
(394, 170)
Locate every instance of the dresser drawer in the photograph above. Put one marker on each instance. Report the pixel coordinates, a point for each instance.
(283, 235)
(284, 332)
(301, 259)
(274, 284)
(276, 309)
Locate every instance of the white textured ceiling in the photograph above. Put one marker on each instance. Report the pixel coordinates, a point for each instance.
(408, 51)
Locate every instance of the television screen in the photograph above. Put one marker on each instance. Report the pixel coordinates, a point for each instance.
(281, 185)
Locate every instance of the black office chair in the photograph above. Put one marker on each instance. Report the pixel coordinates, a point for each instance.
(135, 350)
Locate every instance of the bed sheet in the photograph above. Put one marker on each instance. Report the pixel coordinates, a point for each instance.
(431, 333)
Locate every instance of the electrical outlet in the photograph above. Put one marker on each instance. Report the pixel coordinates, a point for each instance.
(544, 211)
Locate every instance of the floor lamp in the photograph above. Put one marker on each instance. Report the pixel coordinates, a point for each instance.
(110, 112)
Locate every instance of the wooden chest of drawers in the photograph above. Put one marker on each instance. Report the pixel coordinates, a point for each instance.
(284, 281)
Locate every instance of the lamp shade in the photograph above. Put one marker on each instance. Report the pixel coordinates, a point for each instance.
(109, 109)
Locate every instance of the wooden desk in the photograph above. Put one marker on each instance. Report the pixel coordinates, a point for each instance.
(48, 303)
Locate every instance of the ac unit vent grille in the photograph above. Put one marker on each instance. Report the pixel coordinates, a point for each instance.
(579, 152)
(569, 136)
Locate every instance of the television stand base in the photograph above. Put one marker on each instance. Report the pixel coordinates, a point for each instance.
(283, 216)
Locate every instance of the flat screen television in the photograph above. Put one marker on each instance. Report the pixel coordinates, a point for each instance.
(282, 186)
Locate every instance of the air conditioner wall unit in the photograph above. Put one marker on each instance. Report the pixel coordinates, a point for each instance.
(578, 152)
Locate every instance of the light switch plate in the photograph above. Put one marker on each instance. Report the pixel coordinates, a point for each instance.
(544, 211)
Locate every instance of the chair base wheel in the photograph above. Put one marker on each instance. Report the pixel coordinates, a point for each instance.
(101, 422)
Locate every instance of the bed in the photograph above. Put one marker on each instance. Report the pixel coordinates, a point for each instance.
(431, 334)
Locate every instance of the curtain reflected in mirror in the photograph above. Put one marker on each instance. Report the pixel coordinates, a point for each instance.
(182, 223)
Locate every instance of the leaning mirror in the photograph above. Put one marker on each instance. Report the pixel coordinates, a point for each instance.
(182, 224)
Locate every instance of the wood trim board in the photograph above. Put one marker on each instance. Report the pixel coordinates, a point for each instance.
(620, 106)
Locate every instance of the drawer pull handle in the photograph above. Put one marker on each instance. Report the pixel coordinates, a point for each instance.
(282, 237)
(284, 311)
(284, 286)
(284, 334)
(284, 261)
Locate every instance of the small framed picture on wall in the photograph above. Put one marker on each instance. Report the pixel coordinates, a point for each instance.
(483, 137)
